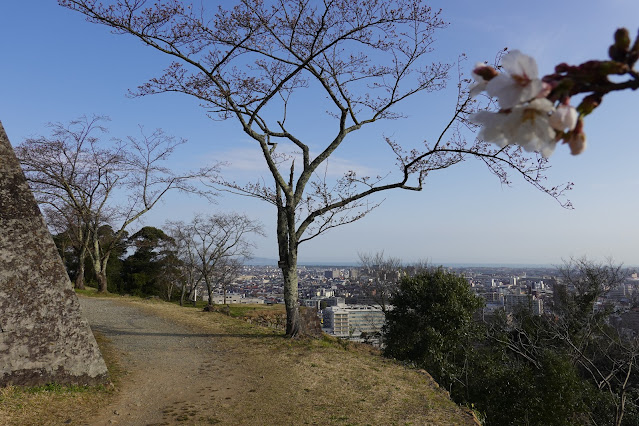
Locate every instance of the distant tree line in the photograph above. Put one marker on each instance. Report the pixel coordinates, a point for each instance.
(92, 190)
(143, 264)
(209, 250)
(572, 365)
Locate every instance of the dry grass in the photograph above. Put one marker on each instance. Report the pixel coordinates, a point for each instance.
(54, 404)
(323, 381)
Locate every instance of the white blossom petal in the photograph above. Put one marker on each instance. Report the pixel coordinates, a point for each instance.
(516, 63)
(525, 125)
(564, 117)
(477, 87)
(577, 143)
(520, 83)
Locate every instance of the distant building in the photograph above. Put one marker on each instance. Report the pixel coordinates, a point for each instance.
(335, 301)
(335, 321)
(538, 285)
(314, 302)
(353, 320)
(493, 297)
(512, 301)
(618, 293)
(331, 274)
(494, 302)
(324, 292)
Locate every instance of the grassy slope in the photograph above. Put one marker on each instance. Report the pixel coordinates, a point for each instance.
(296, 382)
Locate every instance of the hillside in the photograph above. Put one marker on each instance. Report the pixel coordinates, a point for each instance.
(174, 365)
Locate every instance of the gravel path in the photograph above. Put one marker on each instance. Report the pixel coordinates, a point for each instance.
(174, 374)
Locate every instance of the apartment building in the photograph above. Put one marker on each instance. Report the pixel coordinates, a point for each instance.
(353, 320)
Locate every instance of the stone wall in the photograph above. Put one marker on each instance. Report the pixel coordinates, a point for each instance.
(43, 336)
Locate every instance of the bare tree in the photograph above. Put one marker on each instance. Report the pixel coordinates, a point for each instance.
(79, 177)
(170, 276)
(227, 271)
(385, 272)
(218, 243)
(70, 174)
(183, 236)
(256, 61)
(589, 280)
(604, 353)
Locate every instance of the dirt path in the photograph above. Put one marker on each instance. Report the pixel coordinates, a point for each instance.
(188, 367)
(174, 375)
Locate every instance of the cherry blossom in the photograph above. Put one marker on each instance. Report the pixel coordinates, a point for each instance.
(520, 84)
(534, 112)
(482, 74)
(527, 125)
(564, 117)
(577, 143)
(576, 139)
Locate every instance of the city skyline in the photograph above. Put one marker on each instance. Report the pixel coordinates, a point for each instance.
(59, 67)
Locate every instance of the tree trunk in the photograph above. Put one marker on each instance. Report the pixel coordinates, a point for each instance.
(82, 255)
(169, 291)
(100, 267)
(102, 282)
(287, 243)
(293, 321)
(209, 290)
(79, 279)
(182, 294)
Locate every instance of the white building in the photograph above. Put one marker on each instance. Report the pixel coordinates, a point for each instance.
(353, 320)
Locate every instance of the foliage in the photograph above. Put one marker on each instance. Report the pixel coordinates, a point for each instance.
(209, 249)
(144, 272)
(511, 391)
(572, 365)
(431, 323)
(68, 253)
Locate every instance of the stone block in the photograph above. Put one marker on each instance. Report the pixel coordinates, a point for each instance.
(43, 335)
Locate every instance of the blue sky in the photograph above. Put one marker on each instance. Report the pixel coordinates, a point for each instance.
(56, 67)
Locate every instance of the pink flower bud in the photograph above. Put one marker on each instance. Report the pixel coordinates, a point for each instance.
(576, 139)
(576, 142)
(486, 72)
